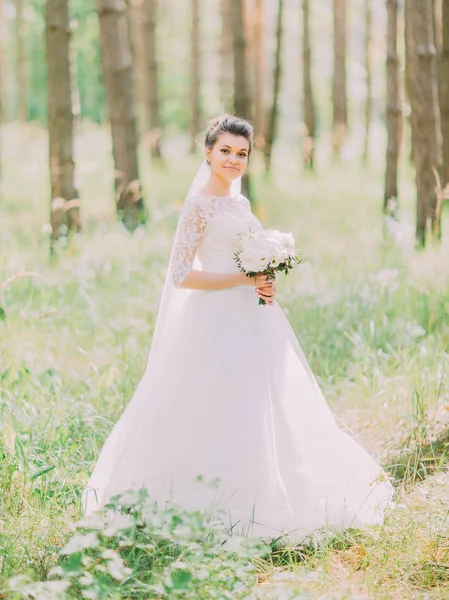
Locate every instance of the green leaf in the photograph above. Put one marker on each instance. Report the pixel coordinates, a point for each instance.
(42, 471)
(181, 579)
(20, 453)
(73, 565)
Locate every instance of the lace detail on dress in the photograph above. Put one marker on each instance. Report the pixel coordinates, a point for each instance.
(196, 213)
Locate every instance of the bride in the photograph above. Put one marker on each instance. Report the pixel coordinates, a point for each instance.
(228, 396)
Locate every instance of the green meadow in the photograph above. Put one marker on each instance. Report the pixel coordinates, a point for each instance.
(370, 311)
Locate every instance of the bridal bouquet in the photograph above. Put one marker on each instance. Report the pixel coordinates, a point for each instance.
(268, 251)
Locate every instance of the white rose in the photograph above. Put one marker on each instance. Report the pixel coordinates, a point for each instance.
(253, 263)
(266, 247)
(253, 256)
(289, 243)
(278, 249)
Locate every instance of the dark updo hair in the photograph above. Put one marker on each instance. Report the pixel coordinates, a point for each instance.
(228, 124)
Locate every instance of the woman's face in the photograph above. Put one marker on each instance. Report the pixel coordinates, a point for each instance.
(229, 156)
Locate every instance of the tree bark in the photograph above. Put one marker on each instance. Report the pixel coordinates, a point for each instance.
(393, 110)
(119, 85)
(368, 70)
(408, 82)
(2, 82)
(308, 97)
(445, 92)
(136, 17)
(272, 119)
(437, 20)
(242, 102)
(21, 63)
(437, 8)
(64, 204)
(339, 82)
(226, 57)
(259, 69)
(154, 123)
(195, 71)
(254, 23)
(425, 115)
(438, 24)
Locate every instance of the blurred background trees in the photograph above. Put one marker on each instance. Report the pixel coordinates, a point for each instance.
(444, 98)
(393, 110)
(339, 75)
(425, 113)
(307, 86)
(61, 112)
(118, 76)
(339, 85)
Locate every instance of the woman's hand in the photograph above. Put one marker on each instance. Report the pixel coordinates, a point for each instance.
(260, 280)
(265, 289)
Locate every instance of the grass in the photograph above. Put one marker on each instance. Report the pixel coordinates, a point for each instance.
(372, 317)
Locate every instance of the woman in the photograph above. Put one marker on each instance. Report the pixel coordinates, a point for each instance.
(228, 395)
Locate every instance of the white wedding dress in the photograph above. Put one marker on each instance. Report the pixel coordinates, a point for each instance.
(229, 396)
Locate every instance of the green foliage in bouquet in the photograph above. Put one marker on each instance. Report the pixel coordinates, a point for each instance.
(271, 271)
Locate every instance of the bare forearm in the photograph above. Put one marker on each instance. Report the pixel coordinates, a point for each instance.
(202, 280)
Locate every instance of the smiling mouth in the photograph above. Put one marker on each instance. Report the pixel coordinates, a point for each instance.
(234, 168)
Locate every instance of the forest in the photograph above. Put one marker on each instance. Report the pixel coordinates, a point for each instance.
(103, 109)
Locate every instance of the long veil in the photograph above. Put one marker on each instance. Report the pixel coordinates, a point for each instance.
(172, 297)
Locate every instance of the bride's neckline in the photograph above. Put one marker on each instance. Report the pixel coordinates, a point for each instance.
(198, 195)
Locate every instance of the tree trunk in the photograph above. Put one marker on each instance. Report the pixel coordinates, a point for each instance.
(195, 76)
(242, 103)
(438, 23)
(445, 92)
(21, 64)
(339, 82)
(272, 119)
(308, 98)
(2, 82)
(437, 8)
(408, 83)
(437, 19)
(118, 77)
(226, 57)
(64, 203)
(425, 115)
(241, 88)
(259, 68)
(393, 110)
(249, 15)
(5, 66)
(154, 123)
(253, 21)
(136, 17)
(368, 70)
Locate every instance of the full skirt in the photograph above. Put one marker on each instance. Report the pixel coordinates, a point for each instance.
(230, 398)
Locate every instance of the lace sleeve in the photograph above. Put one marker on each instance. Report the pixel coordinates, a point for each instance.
(194, 217)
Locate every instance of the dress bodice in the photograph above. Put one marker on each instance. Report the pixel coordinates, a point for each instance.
(209, 229)
(221, 236)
